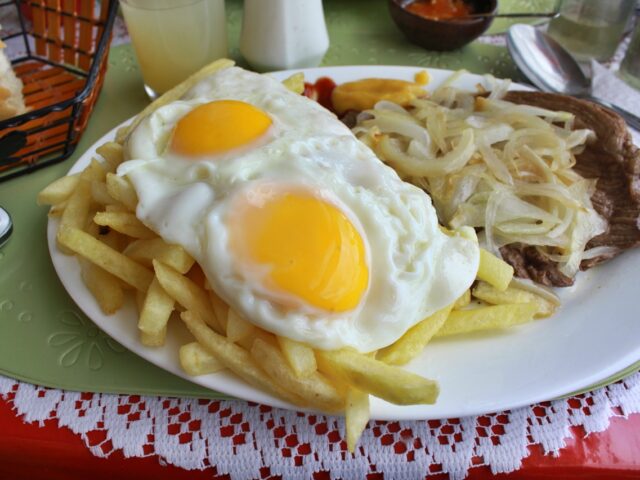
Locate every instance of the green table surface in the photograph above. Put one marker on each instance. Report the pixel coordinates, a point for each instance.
(44, 337)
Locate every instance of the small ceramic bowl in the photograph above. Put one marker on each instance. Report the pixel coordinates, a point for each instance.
(442, 34)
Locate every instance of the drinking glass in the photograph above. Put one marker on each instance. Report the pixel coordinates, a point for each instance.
(630, 67)
(174, 38)
(591, 28)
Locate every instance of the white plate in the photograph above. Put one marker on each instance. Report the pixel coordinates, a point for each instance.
(594, 335)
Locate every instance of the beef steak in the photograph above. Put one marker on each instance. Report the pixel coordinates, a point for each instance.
(615, 161)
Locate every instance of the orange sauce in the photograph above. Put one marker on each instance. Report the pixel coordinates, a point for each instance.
(437, 9)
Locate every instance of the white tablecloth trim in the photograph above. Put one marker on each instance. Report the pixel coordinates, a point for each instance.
(240, 438)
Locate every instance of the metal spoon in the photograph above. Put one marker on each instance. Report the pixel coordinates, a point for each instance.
(552, 69)
(503, 15)
(6, 226)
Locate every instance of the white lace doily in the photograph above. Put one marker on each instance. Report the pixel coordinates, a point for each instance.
(239, 438)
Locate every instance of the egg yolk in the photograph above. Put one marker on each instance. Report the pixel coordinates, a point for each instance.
(217, 127)
(309, 247)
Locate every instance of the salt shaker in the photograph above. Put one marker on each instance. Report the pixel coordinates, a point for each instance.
(283, 34)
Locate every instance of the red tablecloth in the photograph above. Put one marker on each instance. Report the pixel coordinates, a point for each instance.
(29, 451)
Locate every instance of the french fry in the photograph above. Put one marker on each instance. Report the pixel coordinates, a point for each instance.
(247, 342)
(93, 171)
(140, 296)
(122, 133)
(220, 309)
(57, 210)
(156, 310)
(314, 389)
(100, 193)
(126, 223)
(485, 292)
(144, 251)
(172, 95)
(114, 239)
(494, 270)
(112, 153)
(186, 293)
(237, 327)
(234, 357)
(356, 416)
(105, 287)
(116, 207)
(196, 360)
(105, 257)
(120, 189)
(77, 211)
(463, 301)
(381, 380)
(155, 339)
(59, 190)
(295, 83)
(299, 356)
(412, 343)
(487, 318)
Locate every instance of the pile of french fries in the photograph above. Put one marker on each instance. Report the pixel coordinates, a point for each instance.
(119, 255)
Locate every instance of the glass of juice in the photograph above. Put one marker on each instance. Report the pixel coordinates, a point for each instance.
(591, 28)
(174, 38)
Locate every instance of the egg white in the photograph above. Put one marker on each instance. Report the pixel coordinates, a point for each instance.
(414, 268)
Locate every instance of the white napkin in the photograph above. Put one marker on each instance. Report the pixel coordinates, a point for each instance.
(608, 86)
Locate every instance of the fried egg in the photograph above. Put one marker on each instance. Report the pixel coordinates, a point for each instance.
(296, 224)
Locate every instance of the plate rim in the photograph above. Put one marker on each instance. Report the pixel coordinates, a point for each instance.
(376, 414)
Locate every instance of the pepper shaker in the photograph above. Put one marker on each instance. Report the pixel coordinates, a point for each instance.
(283, 34)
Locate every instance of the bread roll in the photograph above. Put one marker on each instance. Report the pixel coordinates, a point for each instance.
(11, 99)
